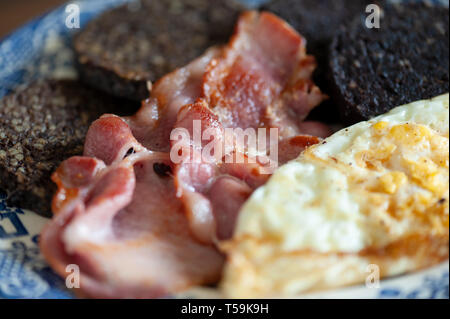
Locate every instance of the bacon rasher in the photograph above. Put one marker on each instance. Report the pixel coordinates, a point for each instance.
(130, 217)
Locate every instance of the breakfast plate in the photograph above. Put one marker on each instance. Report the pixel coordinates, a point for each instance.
(42, 49)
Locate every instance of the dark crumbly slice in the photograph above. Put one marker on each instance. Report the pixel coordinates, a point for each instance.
(405, 60)
(132, 44)
(318, 21)
(40, 126)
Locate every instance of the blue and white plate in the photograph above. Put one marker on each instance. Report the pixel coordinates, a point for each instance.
(41, 49)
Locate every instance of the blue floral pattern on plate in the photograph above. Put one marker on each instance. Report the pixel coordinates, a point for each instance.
(23, 271)
(40, 49)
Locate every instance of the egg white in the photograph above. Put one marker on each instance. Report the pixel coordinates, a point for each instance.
(366, 186)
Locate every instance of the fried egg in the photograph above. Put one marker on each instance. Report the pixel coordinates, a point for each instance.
(373, 195)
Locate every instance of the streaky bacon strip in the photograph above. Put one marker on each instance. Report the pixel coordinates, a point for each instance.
(134, 229)
(110, 139)
(211, 213)
(133, 241)
(152, 124)
(126, 230)
(262, 79)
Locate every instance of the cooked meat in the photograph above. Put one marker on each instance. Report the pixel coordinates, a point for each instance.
(146, 243)
(263, 79)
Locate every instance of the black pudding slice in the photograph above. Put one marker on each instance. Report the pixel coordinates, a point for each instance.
(144, 40)
(406, 59)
